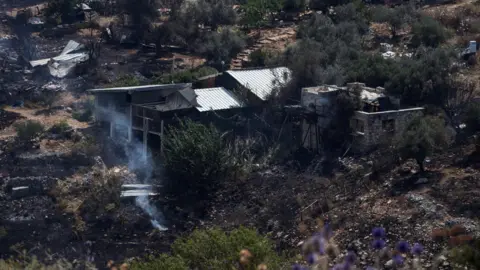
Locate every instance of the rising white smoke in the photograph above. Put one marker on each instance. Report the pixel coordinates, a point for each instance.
(138, 161)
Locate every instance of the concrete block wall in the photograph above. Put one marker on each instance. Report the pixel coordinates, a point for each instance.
(374, 132)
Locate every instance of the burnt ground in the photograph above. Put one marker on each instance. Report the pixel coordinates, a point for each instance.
(286, 205)
(34, 221)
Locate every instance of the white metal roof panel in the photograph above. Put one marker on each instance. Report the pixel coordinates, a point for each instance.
(263, 81)
(217, 98)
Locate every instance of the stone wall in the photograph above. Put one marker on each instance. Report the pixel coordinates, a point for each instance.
(371, 129)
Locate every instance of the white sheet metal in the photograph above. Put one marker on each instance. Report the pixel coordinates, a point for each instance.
(59, 66)
(261, 82)
(218, 98)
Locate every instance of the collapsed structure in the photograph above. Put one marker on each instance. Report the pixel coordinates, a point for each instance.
(380, 119)
(60, 66)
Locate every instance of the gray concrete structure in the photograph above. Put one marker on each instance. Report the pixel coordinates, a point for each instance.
(379, 119)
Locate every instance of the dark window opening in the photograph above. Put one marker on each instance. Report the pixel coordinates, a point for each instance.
(388, 125)
(129, 98)
(162, 100)
(358, 125)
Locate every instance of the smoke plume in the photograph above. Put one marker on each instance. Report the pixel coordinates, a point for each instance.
(139, 161)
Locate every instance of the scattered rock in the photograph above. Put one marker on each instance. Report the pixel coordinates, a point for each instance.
(422, 180)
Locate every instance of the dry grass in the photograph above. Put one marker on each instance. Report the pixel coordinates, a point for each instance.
(96, 194)
(105, 21)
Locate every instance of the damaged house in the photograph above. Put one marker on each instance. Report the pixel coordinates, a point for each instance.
(143, 112)
(380, 119)
(63, 64)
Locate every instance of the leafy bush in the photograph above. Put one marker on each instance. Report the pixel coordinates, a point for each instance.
(96, 196)
(424, 78)
(214, 249)
(257, 12)
(220, 47)
(29, 130)
(422, 137)
(60, 127)
(162, 262)
(86, 146)
(124, 81)
(85, 114)
(195, 157)
(396, 17)
(258, 58)
(429, 32)
(467, 254)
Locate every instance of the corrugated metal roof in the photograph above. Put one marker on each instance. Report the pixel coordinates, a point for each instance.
(263, 81)
(217, 98)
(139, 88)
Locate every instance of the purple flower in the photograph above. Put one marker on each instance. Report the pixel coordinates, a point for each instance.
(417, 249)
(378, 232)
(403, 247)
(398, 259)
(297, 267)
(327, 231)
(342, 266)
(319, 242)
(350, 258)
(311, 258)
(378, 244)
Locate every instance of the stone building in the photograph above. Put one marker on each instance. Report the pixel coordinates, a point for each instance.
(373, 128)
(380, 118)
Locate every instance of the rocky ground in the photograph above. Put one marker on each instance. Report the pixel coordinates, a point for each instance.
(409, 205)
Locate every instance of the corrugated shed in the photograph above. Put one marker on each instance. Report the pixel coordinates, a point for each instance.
(217, 98)
(261, 82)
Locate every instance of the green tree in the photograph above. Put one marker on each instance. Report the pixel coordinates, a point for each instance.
(429, 32)
(195, 159)
(421, 138)
(257, 12)
(66, 9)
(220, 47)
(424, 78)
(396, 17)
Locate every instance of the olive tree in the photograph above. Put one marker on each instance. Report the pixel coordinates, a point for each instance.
(422, 137)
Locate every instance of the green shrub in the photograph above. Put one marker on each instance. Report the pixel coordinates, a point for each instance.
(126, 80)
(429, 32)
(86, 146)
(467, 255)
(29, 130)
(215, 249)
(421, 138)
(195, 157)
(86, 113)
(60, 127)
